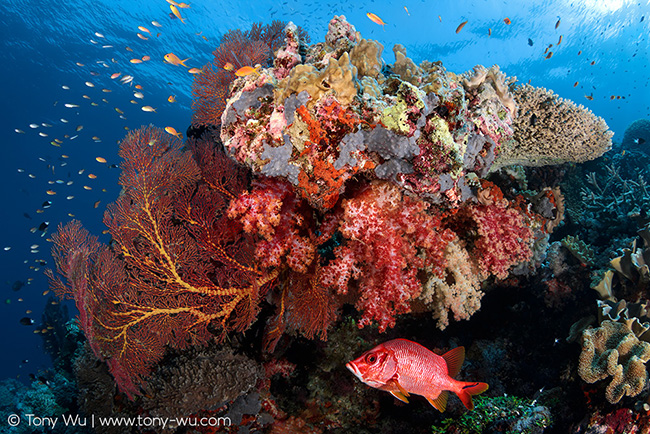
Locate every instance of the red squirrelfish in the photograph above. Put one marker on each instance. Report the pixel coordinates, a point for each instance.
(402, 367)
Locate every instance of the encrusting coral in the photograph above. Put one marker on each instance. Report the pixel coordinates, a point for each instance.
(613, 350)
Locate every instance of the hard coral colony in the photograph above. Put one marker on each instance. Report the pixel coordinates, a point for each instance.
(326, 178)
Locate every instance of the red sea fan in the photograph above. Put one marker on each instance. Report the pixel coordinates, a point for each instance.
(210, 88)
(273, 34)
(283, 226)
(175, 273)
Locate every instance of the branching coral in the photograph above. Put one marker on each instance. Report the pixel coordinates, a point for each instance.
(616, 195)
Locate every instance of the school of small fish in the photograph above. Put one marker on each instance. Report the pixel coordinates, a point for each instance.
(65, 186)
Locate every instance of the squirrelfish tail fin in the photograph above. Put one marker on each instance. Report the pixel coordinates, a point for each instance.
(454, 358)
(470, 389)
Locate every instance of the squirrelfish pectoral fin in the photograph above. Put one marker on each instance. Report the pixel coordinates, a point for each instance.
(397, 390)
(401, 389)
(454, 359)
(440, 403)
(400, 396)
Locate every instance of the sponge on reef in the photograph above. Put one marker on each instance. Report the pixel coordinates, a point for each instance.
(338, 77)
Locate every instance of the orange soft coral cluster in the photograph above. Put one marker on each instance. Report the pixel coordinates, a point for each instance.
(319, 181)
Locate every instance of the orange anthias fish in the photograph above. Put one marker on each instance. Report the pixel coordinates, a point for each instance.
(173, 132)
(402, 367)
(246, 70)
(375, 19)
(176, 13)
(175, 60)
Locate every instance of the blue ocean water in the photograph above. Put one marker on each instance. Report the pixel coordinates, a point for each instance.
(47, 46)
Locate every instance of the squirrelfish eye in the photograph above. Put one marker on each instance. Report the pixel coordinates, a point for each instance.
(371, 358)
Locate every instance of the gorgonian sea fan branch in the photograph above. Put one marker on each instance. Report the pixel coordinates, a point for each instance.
(174, 266)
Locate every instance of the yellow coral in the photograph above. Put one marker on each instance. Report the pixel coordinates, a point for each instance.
(366, 56)
(395, 116)
(613, 350)
(338, 77)
(405, 67)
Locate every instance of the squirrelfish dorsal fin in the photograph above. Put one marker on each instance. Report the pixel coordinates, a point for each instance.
(454, 359)
(440, 402)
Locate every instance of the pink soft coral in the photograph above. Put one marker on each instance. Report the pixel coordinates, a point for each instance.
(388, 239)
(272, 211)
(285, 241)
(503, 240)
